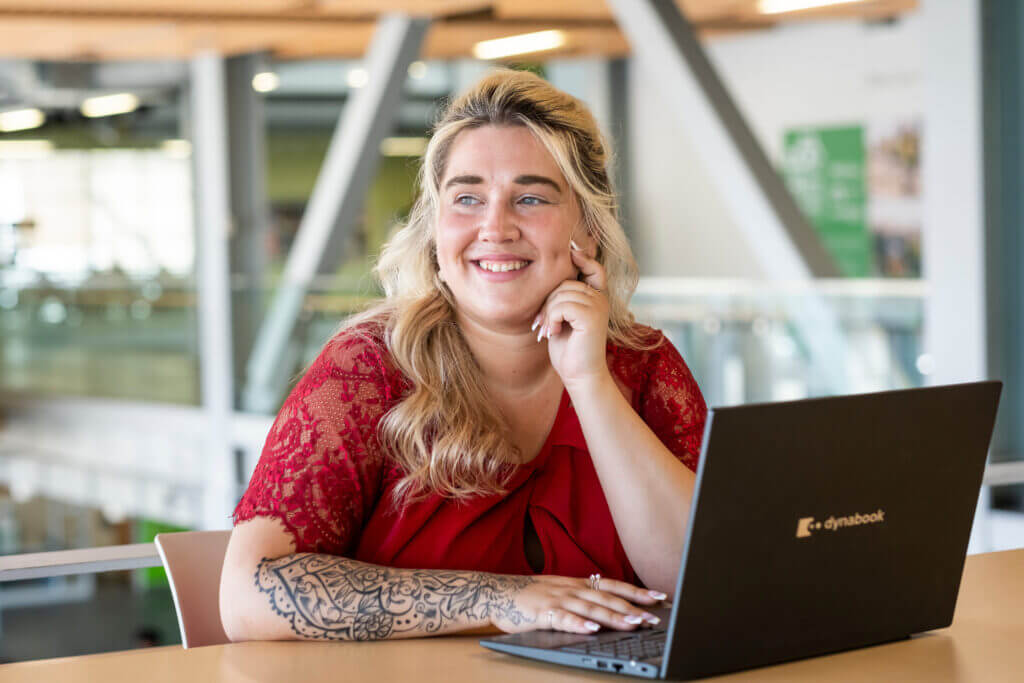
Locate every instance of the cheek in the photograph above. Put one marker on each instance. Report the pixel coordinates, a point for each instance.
(555, 243)
(451, 242)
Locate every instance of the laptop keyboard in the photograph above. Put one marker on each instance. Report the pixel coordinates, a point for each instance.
(637, 645)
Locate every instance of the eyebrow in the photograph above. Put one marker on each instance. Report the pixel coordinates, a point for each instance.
(520, 180)
(536, 180)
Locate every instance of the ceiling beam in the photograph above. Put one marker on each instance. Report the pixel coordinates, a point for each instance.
(178, 29)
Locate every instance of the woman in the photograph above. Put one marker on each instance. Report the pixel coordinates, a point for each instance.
(497, 444)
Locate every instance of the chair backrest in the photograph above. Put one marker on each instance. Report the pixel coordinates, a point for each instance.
(193, 560)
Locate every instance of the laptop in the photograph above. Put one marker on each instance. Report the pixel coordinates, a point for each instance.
(816, 526)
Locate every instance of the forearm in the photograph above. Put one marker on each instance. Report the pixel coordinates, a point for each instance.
(325, 597)
(648, 490)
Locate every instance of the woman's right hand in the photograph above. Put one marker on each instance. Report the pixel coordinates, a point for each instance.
(562, 603)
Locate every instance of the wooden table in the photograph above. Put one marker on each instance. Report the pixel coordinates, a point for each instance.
(985, 643)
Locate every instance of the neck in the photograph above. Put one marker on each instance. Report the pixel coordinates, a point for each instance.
(510, 359)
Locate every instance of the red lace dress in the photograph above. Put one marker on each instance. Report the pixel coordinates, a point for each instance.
(323, 472)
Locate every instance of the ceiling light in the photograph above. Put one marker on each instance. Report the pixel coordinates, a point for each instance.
(780, 6)
(417, 70)
(358, 77)
(265, 81)
(25, 149)
(517, 45)
(21, 119)
(109, 105)
(403, 147)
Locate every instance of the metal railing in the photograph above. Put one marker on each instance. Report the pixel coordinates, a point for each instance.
(81, 561)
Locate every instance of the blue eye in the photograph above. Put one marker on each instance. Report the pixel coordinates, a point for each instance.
(533, 201)
(460, 200)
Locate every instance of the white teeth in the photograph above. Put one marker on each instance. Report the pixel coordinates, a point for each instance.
(502, 266)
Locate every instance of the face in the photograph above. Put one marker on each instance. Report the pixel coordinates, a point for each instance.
(506, 217)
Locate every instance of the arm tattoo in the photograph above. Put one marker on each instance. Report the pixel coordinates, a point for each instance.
(325, 597)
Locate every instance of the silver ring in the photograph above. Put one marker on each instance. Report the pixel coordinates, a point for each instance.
(595, 582)
(551, 619)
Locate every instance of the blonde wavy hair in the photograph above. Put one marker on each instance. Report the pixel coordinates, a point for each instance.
(446, 433)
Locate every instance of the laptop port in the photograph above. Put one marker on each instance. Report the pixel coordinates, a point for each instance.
(602, 664)
(617, 667)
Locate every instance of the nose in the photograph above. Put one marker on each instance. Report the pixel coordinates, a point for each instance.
(498, 224)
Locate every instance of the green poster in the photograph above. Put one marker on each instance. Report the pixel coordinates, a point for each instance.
(824, 169)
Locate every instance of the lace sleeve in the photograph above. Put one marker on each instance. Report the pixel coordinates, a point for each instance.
(672, 406)
(320, 469)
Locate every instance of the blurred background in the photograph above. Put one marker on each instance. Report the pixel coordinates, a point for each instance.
(823, 197)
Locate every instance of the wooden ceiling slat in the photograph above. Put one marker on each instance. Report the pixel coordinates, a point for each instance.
(599, 10)
(876, 9)
(457, 39)
(329, 28)
(537, 10)
(432, 8)
(163, 7)
(141, 38)
(83, 38)
(698, 11)
(359, 9)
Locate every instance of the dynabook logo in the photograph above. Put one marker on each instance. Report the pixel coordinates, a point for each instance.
(807, 525)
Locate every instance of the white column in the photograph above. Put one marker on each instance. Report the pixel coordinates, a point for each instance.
(953, 243)
(210, 152)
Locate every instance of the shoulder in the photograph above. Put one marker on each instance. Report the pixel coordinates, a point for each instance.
(360, 352)
(637, 367)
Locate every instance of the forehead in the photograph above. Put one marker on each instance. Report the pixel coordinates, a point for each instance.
(500, 153)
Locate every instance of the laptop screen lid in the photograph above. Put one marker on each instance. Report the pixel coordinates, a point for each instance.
(827, 524)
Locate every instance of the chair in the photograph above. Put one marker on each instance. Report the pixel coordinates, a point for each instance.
(193, 560)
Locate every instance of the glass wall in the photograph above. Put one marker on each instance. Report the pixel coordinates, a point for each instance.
(97, 273)
(98, 288)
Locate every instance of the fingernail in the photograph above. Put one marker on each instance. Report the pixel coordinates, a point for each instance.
(574, 245)
(632, 619)
(536, 321)
(657, 595)
(540, 334)
(592, 626)
(547, 332)
(651, 618)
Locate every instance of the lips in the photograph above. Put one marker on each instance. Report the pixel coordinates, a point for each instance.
(501, 266)
(498, 258)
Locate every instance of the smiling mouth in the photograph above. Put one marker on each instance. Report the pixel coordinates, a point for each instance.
(501, 266)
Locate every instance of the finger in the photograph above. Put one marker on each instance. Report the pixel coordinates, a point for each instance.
(603, 615)
(610, 601)
(538, 321)
(560, 312)
(568, 290)
(588, 250)
(591, 269)
(564, 620)
(575, 314)
(563, 298)
(574, 287)
(628, 591)
(618, 605)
